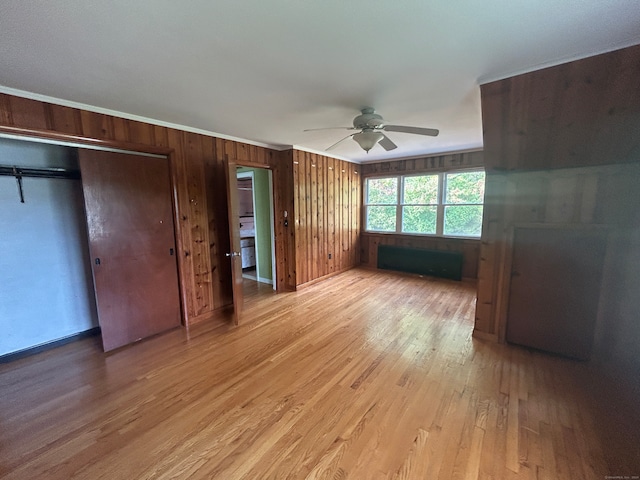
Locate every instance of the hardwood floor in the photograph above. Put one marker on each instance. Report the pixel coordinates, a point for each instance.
(367, 375)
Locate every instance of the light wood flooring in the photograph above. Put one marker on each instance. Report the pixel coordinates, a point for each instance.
(367, 375)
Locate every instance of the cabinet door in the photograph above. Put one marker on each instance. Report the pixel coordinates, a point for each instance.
(555, 289)
(132, 244)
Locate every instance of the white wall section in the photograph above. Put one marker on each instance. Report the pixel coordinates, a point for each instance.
(46, 290)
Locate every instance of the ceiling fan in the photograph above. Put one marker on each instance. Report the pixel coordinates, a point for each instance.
(372, 128)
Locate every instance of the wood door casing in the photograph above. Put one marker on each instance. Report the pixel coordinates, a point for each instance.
(555, 289)
(132, 244)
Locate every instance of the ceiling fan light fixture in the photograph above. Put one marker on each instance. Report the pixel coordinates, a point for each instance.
(367, 139)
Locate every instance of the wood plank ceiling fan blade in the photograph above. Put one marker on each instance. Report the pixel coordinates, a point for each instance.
(387, 144)
(432, 132)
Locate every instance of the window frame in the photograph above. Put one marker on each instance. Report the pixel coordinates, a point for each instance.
(440, 206)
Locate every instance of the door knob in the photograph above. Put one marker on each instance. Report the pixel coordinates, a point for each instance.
(232, 254)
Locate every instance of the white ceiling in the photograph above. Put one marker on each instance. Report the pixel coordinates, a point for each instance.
(264, 71)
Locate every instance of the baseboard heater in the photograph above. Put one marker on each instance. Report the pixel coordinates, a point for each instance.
(436, 263)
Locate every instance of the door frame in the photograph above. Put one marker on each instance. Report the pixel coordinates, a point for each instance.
(275, 241)
(271, 220)
(78, 141)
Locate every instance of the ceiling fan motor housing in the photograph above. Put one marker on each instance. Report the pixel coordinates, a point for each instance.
(368, 119)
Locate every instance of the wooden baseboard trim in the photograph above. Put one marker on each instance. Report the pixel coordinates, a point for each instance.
(27, 352)
(491, 337)
(324, 277)
(373, 267)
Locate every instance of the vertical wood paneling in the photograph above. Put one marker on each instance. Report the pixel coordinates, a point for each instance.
(470, 248)
(424, 164)
(331, 214)
(121, 131)
(28, 113)
(199, 224)
(160, 136)
(316, 261)
(6, 117)
(296, 219)
(581, 113)
(286, 199)
(96, 125)
(562, 198)
(344, 234)
(142, 132)
(65, 119)
(198, 184)
(322, 219)
(355, 213)
(327, 216)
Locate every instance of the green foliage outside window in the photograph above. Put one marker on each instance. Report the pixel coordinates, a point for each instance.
(465, 187)
(421, 190)
(381, 218)
(419, 219)
(463, 220)
(382, 191)
(457, 211)
(464, 195)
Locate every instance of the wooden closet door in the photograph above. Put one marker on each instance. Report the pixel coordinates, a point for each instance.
(132, 244)
(555, 289)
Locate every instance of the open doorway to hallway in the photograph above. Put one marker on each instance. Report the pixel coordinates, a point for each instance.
(255, 198)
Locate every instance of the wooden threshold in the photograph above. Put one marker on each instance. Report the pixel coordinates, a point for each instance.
(366, 375)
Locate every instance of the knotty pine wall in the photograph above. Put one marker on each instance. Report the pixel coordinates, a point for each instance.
(562, 148)
(326, 216)
(470, 248)
(199, 188)
(258, 157)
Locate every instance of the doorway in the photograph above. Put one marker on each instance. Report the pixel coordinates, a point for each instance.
(256, 219)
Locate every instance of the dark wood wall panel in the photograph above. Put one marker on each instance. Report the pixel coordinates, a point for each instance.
(579, 113)
(470, 248)
(562, 150)
(199, 187)
(327, 196)
(285, 227)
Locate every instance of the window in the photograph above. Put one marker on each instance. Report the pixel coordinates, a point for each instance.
(448, 203)
(463, 198)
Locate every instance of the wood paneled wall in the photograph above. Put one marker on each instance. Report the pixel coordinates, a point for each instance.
(433, 163)
(198, 180)
(284, 201)
(585, 113)
(327, 195)
(604, 196)
(470, 248)
(580, 113)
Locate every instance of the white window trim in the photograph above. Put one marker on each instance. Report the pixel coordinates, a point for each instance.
(442, 174)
